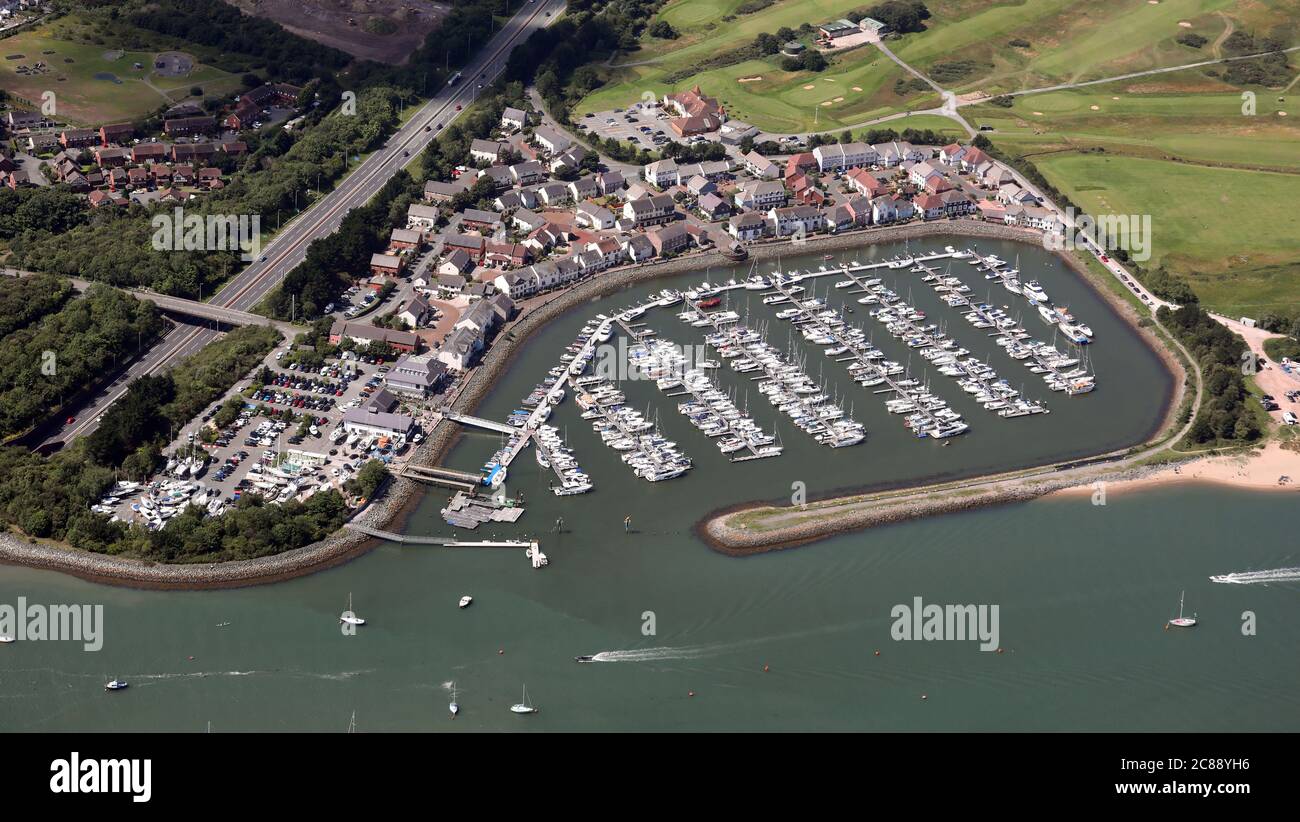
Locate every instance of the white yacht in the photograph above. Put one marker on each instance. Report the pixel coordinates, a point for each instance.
(1181, 621)
(350, 618)
(466, 600)
(454, 707)
(524, 707)
(115, 685)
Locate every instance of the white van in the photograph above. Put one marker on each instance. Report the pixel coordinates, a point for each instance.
(1289, 417)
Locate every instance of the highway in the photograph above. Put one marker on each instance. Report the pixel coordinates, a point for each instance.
(250, 286)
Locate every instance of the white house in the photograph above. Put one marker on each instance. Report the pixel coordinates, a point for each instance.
(593, 216)
(787, 221)
(761, 167)
(662, 173)
(550, 139)
(421, 217)
(760, 195)
(513, 118)
(839, 156)
(747, 226)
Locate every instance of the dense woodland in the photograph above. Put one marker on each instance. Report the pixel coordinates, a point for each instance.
(49, 360)
(1225, 416)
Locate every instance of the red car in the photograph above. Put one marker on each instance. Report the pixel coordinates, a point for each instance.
(1105, 259)
(69, 420)
(458, 106)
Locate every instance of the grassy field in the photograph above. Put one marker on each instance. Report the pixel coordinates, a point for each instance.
(1180, 149)
(857, 86)
(1072, 42)
(1205, 125)
(1229, 232)
(96, 84)
(1067, 42)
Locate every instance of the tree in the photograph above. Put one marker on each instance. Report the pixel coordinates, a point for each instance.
(662, 30)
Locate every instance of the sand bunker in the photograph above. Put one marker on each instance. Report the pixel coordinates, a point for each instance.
(1184, 24)
(827, 103)
(839, 99)
(749, 79)
(1281, 114)
(1038, 114)
(1095, 108)
(809, 87)
(857, 88)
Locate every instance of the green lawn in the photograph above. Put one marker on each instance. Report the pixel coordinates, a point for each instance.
(84, 99)
(1229, 232)
(778, 101)
(1204, 126)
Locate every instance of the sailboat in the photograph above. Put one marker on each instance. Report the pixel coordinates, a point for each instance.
(1182, 621)
(454, 707)
(524, 707)
(349, 617)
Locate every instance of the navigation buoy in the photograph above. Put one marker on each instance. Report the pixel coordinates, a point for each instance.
(924, 697)
(190, 658)
(999, 650)
(877, 653)
(501, 651)
(690, 693)
(765, 669)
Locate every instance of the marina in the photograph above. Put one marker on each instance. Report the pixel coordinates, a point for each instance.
(710, 410)
(721, 619)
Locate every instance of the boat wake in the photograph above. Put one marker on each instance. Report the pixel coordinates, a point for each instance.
(1256, 577)
(650, 654)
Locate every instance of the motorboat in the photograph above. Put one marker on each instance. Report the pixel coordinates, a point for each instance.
(466, 600)
(116, 685)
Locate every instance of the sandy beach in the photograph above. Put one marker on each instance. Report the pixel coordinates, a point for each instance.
(1257, 470)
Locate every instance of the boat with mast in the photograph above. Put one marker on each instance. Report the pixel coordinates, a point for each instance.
(1181, 621)
(348, 617)
(525, 706)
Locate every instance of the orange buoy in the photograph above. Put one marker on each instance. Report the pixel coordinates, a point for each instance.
(765, 669)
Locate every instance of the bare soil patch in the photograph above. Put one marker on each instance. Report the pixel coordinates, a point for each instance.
(356, 26)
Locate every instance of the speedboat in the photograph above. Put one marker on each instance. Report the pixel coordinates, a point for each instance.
(115, 685)
(454, 706)
(584, 658)
(466, 600)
